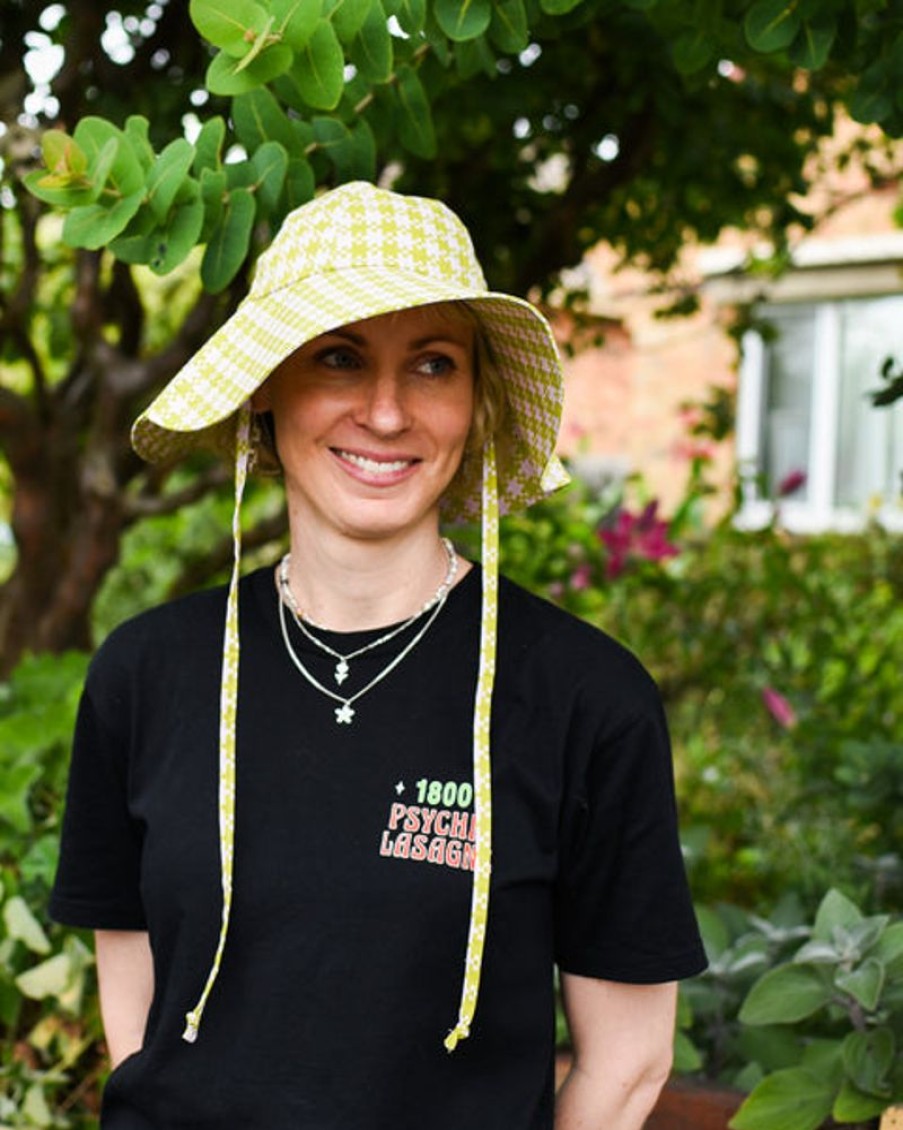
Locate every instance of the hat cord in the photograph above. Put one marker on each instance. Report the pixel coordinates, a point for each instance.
(482, 766)
(227, 722)
(481, 728)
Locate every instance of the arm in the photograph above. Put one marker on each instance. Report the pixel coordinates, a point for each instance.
(623, 1037)
(125, 974)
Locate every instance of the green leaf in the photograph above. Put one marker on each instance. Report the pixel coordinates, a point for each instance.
(300, 183)
(180, 236)
(463, 19)
(231, 25)
(784, 995)
(864, 983)
(39, 863)
(60, 192)
(137, 130)
(835, 910)
(62, 154)
(319, 70)
(22, 925)
(868, 1058)
(48, 979)
(687, 1056)
(258, 118)
(227, 76)
(794, 1099)
(347, 16)
(296, 20)
(562, 7)
(229, 246)
(411, 15)
(889, 950)
(473, 57)
(509, 30)
(693, 50)
(771, 25)
(270, 163)
(36, 1108)
(214, 188)
(812, 47)
(415, 122)
(168, 175)
(372, 50)
(363, 156)
(118, 164)
(851, 1105)
(872, 100)
(208, 147)
(96, 225)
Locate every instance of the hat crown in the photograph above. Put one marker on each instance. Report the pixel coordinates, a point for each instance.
(358, 226)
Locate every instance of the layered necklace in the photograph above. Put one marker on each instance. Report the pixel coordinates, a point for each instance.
(345, 712)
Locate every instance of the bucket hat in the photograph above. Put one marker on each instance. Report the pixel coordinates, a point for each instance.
(350, 254)
(354, 253)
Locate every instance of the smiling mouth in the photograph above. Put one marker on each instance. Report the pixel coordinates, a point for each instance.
(374, 466)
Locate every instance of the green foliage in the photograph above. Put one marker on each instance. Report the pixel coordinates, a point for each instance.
(381, 85)
(810, 795)
(49, 1056)
(842, 992)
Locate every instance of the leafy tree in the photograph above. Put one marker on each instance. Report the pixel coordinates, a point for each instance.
(547, 124)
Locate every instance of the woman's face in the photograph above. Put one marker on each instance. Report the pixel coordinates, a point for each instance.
(371, 421)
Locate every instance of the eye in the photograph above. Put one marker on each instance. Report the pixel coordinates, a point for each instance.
(435, 365)
(338, 357)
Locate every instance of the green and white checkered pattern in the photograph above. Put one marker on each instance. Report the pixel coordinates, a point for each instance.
(351, 254)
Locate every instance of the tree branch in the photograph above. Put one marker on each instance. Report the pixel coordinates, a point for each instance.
(201, 571)
(145, 505)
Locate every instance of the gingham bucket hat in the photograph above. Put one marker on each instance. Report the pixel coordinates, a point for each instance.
(355, 253)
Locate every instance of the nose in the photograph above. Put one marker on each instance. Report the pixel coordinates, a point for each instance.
(384, 410)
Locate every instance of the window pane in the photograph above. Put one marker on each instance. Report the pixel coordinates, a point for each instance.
(788, 407)
(870, 440)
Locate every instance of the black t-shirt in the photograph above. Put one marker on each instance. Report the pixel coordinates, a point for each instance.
(353, 862)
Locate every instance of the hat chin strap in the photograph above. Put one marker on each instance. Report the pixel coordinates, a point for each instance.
(227, 716)
(482, 767)
(482, 773)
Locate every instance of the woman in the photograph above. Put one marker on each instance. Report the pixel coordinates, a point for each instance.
(353, 870)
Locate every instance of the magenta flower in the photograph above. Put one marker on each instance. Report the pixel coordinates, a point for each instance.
(779, 708)
(791, 483)
(581, 577)
(641, 536)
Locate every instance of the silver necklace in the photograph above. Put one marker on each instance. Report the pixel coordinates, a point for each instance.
(342, 667)
(345, 712)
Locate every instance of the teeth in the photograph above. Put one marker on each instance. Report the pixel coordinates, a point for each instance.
(372, 466)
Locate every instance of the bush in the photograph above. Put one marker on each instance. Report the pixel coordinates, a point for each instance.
(778, 658)
(50, 1061)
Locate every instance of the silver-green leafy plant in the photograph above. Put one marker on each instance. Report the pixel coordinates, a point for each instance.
(842, 994)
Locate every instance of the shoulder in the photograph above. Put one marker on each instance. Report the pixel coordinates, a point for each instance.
(186, 632)
(575, 651)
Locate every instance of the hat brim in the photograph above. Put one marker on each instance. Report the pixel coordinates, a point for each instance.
(196, 410)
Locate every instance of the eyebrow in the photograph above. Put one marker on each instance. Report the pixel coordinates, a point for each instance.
(418, 343)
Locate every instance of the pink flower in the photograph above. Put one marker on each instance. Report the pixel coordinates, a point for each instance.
(791, 483)
(779, 708)
(581, 577)
(639, 536)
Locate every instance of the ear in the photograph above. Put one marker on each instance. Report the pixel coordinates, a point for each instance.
(262, 399)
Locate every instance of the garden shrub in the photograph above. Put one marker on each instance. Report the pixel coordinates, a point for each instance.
(50, 1061)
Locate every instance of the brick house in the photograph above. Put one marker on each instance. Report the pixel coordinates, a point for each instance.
(800, 388)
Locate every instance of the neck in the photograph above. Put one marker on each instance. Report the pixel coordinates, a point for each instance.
(354, 585)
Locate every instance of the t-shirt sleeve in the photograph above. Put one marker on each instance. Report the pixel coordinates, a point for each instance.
(623, 907)
(98, 877)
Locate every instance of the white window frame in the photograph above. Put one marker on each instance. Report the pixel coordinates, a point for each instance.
(818, 511)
